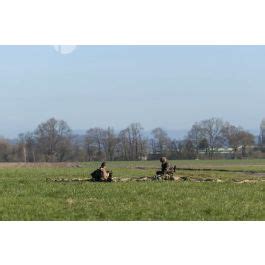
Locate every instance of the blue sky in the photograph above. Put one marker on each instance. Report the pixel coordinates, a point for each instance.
(168, 86)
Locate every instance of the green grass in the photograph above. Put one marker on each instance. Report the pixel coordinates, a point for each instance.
(25, 194)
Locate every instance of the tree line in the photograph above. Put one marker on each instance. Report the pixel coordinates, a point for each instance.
(54, 141)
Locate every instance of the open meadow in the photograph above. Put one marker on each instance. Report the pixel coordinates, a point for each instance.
(237, 192)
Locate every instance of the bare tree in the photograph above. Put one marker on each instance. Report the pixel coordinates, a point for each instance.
(247, 139)
(109, 143)
(207, 133)
(132, 143)
(196, 136)
(233, 136)
(5, 151)
(160, 142)
(138, 141)
(27, 147)
(189, 151)
(237, 137)
(212, 132)
(94, 144)
(173, 149)
(53, 139)
(124, 144)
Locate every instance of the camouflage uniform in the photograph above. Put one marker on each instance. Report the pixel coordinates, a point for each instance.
(102, 174)
(164, 166)
(166, 172)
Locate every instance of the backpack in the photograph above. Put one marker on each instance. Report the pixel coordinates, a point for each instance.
(96, 175)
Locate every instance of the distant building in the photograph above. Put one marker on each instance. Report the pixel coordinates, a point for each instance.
(221, 150)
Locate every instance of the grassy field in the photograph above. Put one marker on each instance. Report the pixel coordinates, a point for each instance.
(26, 195)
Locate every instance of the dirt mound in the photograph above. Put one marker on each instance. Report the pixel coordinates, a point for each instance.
(248, 181)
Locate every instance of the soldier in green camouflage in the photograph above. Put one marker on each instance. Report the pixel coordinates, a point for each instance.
(164, 166)
(166, 172)
(102, 174)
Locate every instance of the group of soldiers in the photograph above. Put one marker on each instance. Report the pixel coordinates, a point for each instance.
(104, 175)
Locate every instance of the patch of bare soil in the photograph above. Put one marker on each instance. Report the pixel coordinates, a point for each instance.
(40, 165)
(67, 180)
(248, 181)
(247, 172)
(253, 174)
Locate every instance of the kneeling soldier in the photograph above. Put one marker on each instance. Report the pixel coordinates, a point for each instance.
(166, 172)
(164, 166)
(102, 174)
